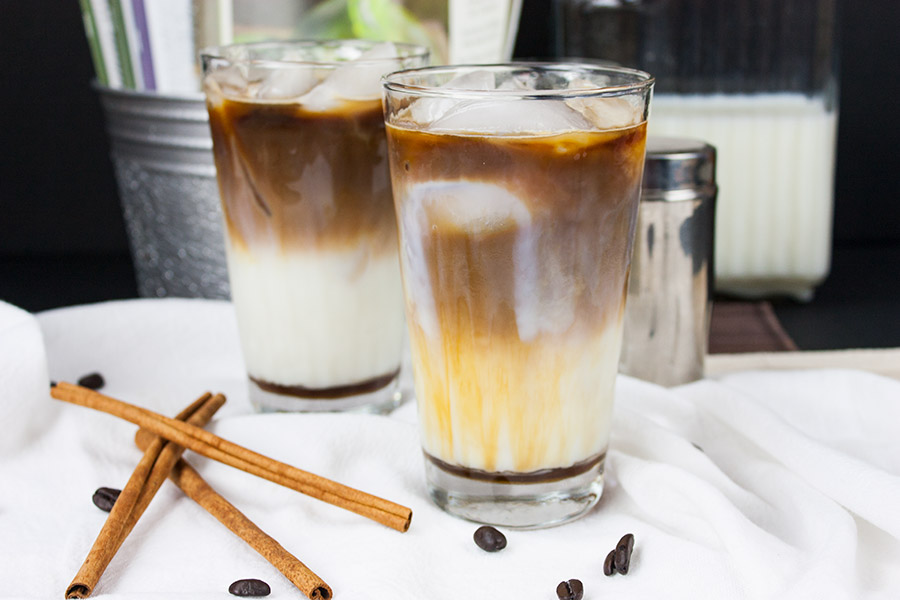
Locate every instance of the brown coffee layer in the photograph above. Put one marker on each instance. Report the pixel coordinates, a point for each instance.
(540, 476)
(329, 393)
(580, 191)
(293, 178)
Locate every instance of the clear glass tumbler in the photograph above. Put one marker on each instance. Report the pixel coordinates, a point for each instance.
(516, 189)
(311, 241)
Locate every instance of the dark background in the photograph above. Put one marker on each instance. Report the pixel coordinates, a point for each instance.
(62, 239)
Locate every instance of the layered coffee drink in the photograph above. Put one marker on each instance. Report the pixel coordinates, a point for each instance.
(299, 144)
(517, 217)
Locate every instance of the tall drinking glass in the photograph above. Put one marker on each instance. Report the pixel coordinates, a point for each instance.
(299, 143)
(516, 189)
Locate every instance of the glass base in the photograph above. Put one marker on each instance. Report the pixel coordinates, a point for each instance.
(515, 505)
(381, 401)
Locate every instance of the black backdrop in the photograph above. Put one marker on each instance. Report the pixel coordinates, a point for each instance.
(58, 197)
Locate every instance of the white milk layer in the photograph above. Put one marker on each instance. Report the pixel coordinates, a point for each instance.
(317, 319)
(775, 170)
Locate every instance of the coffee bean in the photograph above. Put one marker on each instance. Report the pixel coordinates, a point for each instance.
(93, 381)
(623, 553)
(570, 590)
(609, 565)
(249, 587)
(105, 497)
(489, 539)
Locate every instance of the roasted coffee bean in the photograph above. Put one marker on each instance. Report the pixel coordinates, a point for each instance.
(249, 587)
(92, 381)
(609, 565)
(105, 497)
(489, 539)
(570, 590)
(623, 553)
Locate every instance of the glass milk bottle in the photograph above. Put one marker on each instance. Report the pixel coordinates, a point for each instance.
(758, 80)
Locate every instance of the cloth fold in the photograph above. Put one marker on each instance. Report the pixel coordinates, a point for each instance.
(23, 378)
(757, 485)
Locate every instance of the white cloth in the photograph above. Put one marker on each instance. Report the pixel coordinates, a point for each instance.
(795, 494)
(23, 378)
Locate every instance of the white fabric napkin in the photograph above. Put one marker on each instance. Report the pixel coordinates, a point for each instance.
(23, 378)
(794, 491)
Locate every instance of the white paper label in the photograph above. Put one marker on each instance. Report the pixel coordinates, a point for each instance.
(478, 30)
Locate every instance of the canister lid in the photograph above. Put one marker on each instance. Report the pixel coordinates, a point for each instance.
(678, 169)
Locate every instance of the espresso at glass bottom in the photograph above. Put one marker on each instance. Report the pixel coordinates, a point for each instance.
(515, 253)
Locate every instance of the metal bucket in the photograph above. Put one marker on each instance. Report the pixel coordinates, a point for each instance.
(162, 153)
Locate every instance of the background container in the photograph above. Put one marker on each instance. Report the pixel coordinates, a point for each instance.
(667, 316)
(758, 80)
(162, 154)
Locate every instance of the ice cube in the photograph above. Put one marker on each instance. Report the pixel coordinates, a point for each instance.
(320, 98)
(286, 82)
(227, 81)
(467, 206)
(511, 116)
(470, 206)
(359, 79)
(606, 113)
(425, 110)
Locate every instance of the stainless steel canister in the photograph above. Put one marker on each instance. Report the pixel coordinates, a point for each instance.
(668, 308)
(162, 153)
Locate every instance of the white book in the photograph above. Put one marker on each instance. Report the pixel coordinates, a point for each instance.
(171, 31)
(134, 43)
(214, 22)
(107, 38)
(482, 31)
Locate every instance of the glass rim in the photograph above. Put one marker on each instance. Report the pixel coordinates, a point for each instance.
(218, 53)
(643, 81)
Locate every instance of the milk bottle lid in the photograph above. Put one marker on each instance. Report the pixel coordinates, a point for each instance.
(678, 169)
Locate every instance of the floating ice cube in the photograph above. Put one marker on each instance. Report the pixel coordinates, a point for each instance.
(359, 79)
(425, 110)
(514, 115)
(286, 82)
(227, 81)
(320, 98)
(468, 206)
(604, 113)
(607, 113)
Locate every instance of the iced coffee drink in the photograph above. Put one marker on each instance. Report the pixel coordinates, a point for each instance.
(516, 192)
(299, 144)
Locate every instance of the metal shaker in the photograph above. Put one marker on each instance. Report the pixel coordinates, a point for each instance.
(669, 292)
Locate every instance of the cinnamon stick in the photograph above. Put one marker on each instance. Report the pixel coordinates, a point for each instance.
(197, 489)
(153, 468)
(203, 442)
